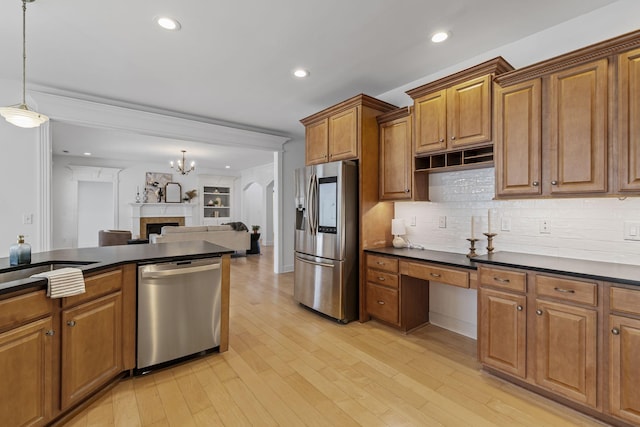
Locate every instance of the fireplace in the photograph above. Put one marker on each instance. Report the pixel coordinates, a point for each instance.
(160, 213)
(152, 224)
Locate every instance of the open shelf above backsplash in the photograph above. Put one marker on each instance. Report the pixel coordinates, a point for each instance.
(452, 160)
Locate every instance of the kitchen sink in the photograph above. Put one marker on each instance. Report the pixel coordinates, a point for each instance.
(26, 272)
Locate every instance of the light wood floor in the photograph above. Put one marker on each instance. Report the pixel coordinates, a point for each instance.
(287, 366)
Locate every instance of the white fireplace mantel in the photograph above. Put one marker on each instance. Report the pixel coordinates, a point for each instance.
(146, 210)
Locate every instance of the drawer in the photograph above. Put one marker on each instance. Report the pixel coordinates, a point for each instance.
(382, 303)
(96, 286)
(382, 278)
(445, 275)
(567, 290)
(624, 300)
(503, 279)
(15, 311)
(382, 263)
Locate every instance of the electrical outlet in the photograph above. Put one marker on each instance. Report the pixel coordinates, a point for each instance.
(545, 228)
(631, 230)
(27, 218)
(505, 225)
(413, 221)
(442, 222)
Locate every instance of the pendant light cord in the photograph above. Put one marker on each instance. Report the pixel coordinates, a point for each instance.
(24, 51)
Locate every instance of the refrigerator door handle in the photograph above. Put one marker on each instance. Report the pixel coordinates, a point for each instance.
(321, 264)
(312, 216)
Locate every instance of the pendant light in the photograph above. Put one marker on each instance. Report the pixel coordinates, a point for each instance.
(19, 114)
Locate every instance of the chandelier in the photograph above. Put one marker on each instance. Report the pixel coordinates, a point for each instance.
(182, 165)
(19, 114)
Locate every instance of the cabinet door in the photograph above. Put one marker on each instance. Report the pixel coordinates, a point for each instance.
(91, 346)
(25, 369)
(578, 129)
(317, 142)
(565, 345)
(624, 369)
(629, 121)
(395, 160)
(469, 112)
(431, 122)
(503, 333)
(518, 143)
(343, 135)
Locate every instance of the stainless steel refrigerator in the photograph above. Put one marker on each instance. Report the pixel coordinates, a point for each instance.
(326, 239)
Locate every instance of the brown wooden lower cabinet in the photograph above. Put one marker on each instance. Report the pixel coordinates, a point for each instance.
(624, 368)
(565, 349)
(503, 335)
(26, 372)
(562, 337)
(91, 347)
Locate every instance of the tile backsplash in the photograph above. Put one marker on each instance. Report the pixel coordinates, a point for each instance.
(583, 228)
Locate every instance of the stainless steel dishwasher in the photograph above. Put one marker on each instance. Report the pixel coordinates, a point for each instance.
(178, 310)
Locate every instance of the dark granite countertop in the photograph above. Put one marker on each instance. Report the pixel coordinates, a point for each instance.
(436, 257)
(94, 259)
(593, 270)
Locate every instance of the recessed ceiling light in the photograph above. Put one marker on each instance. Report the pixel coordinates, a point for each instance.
(167, 23)
(87, 153)
(227, 167)
(301, 73)
(439, 37)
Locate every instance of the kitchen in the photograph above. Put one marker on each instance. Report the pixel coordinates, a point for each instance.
(589, 216)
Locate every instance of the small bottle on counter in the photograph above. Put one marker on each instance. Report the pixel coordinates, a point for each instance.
(20, 253)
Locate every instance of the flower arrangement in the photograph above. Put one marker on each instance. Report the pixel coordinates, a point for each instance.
(255, 228)
(188, 195)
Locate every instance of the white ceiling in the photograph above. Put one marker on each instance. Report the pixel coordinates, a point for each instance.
(232, 60)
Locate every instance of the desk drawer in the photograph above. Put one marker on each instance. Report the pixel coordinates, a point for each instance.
(503, 279)
(382, 303)
(382, 263)
(445, 275)
(382, 278)
(567, 290)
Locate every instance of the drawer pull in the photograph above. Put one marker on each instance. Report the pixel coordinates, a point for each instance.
(380, 302)
(435, 275)
(380, 278)
(499, 280)
(565, 291)
(380, 262)
(539, 312)
(519, 308)
(615, 331)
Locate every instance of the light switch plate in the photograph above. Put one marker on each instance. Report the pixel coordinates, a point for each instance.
(442, 222)
(632, 230)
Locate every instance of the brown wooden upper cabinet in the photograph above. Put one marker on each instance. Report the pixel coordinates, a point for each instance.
(629, 121)
(396, 155)
(336, 133)
(456, 111)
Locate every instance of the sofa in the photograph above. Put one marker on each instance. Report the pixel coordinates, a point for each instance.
(223, 235)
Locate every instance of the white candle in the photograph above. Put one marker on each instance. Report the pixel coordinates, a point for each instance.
(489, 221)
(472, 230)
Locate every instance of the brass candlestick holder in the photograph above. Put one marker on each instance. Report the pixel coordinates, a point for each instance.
(472, 248)
(490, 237)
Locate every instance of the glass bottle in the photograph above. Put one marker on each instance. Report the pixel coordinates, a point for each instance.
(20, 253)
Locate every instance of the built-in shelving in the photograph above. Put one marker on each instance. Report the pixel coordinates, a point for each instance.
(451, 160)
(216, 202)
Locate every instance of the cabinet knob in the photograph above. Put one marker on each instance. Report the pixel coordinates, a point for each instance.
(615, 331)
(453, 137)
(535, 183)
(519, 308)
(50, 333)
(441, 139)
(71, 323)
(380, 302)
(554, 182)
(406, 190)
(539, 312)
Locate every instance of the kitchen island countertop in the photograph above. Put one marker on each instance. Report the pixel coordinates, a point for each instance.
(93, 259)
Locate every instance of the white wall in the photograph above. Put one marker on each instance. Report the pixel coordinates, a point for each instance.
(580, 228)
(254, 183)
(19, 177)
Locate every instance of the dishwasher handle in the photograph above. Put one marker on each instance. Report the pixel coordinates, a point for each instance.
(179, 271)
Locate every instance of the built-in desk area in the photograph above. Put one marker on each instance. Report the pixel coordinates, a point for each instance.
(397, 282)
